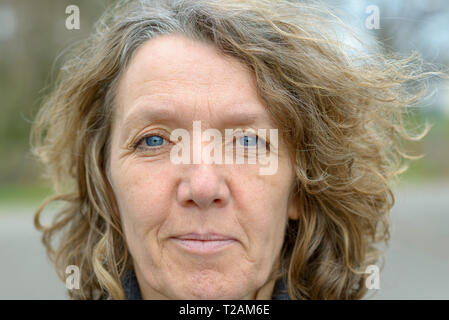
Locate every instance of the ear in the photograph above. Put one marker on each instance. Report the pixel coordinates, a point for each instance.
(293, 207)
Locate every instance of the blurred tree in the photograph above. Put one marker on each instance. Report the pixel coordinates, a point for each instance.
(36, 35)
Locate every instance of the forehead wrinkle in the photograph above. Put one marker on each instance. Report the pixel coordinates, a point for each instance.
(145, 114)
(150, 111)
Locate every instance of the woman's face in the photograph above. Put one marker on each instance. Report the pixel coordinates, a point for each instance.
(195, 231)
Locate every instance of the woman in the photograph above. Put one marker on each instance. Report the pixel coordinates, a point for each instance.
(139, 225)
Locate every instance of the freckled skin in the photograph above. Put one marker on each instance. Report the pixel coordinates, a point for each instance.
(158, 199)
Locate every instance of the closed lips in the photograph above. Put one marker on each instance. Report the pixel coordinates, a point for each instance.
(203, 243)
(204, 237)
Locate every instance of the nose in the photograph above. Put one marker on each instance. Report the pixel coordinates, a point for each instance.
(203, 187)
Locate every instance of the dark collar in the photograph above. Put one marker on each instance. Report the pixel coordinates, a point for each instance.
(132, 290)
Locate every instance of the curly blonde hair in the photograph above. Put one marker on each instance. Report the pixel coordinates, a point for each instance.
(340, 111)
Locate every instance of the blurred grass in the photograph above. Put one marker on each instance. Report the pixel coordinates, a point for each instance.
(419, 171)
(23, 195)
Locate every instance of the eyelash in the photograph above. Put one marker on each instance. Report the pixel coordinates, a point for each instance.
(136, 146)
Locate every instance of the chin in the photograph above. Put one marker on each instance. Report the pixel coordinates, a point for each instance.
(211, 295)
(212, 290)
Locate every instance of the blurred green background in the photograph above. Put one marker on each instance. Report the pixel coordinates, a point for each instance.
(33, 35)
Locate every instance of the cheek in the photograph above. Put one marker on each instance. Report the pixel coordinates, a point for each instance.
(264, 214)
(142, 196)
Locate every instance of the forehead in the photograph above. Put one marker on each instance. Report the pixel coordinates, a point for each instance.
(187, 78)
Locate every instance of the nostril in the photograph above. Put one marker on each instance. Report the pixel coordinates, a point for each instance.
(219, 203)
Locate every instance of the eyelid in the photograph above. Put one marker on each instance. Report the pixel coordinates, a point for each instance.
(253, 134)
(155, 132)
(158, 132)
(260, 141)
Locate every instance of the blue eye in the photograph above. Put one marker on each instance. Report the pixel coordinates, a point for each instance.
(249, 141)
(154, 141)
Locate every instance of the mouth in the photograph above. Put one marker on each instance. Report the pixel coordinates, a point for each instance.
(203, 243)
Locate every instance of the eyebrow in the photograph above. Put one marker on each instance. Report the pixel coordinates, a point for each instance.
(145, 115)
